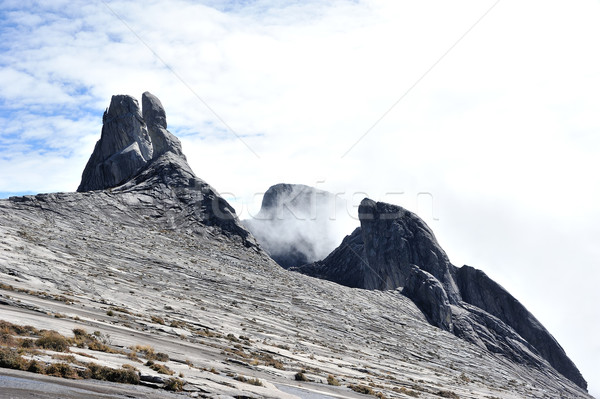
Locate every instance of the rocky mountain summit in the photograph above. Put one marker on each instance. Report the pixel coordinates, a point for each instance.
(394, 248)
(147, 272)
(137, 156)
(294, 223)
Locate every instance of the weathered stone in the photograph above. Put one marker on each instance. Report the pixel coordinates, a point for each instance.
(345, 265)
(479, 290)
(429, 295)
(395, 248)
(123, 149)
(156, 121)
(128, 159)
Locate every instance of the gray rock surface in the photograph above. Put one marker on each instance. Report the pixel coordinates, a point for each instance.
(156, 121)
(123, 149)
(161, 261)
(479, 290)
(158, 171)
(294, 223)
(394, 248)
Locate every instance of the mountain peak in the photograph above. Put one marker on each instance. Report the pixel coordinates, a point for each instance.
(131, 139)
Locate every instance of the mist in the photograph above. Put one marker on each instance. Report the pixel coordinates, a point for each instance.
(298, 224)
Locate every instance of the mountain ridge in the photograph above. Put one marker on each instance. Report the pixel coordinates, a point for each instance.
(160, 258)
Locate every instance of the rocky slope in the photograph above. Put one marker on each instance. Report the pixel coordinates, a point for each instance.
(394, 248)
(154, 256)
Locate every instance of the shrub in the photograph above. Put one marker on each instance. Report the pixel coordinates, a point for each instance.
(252, 381)
(174, 384)
(447, 394)
(160, 368)
(361, 389)
(27, 343)
(157, 320)
(255, 381)
(53, 341)
(62, 370)
(146, 351)
(36, 367)
(331, 380)
(9, 358)
(300, 376)
(125, 375)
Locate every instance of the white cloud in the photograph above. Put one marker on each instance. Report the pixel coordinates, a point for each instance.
(502, 131)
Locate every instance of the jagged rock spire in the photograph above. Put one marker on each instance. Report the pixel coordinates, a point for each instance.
(131, 139)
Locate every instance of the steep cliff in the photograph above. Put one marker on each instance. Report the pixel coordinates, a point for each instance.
(394, 248)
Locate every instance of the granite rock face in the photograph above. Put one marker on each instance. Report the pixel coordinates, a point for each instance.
(294, 223)
(156, 121)
(479, 290)
(394, 248)
(123, 149)
(137, 154)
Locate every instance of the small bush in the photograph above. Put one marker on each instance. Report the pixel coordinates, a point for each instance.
(331, 380)
(174, 384)
(162, 357)
(146, 351)
(232, 338)
(252, 381)
(125, 375)
(300, 376)
(361, 389)
(63, 370)
(36, 367)
(6, 338)
(160, 368)
(157, 320)
(408, 392)
(11, 359)
(255, 381)
(447, 394)
(27, 343)
(53, 341)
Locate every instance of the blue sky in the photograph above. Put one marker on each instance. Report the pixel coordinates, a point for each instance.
(491, 107)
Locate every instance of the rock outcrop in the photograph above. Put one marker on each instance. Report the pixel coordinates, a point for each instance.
(137, 154)
(123, 149)
(294, 223)
(394, 248)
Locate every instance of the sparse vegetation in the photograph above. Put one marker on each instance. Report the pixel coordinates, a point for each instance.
(300, 376)
(362, 389)
(159, 368)
(331, 380)
(407, 392)
(174, 384)
(447, 394)
(123, 375)
(251, 381)
(53, 341)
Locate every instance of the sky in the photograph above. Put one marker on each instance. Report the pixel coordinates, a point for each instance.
(481, 116)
